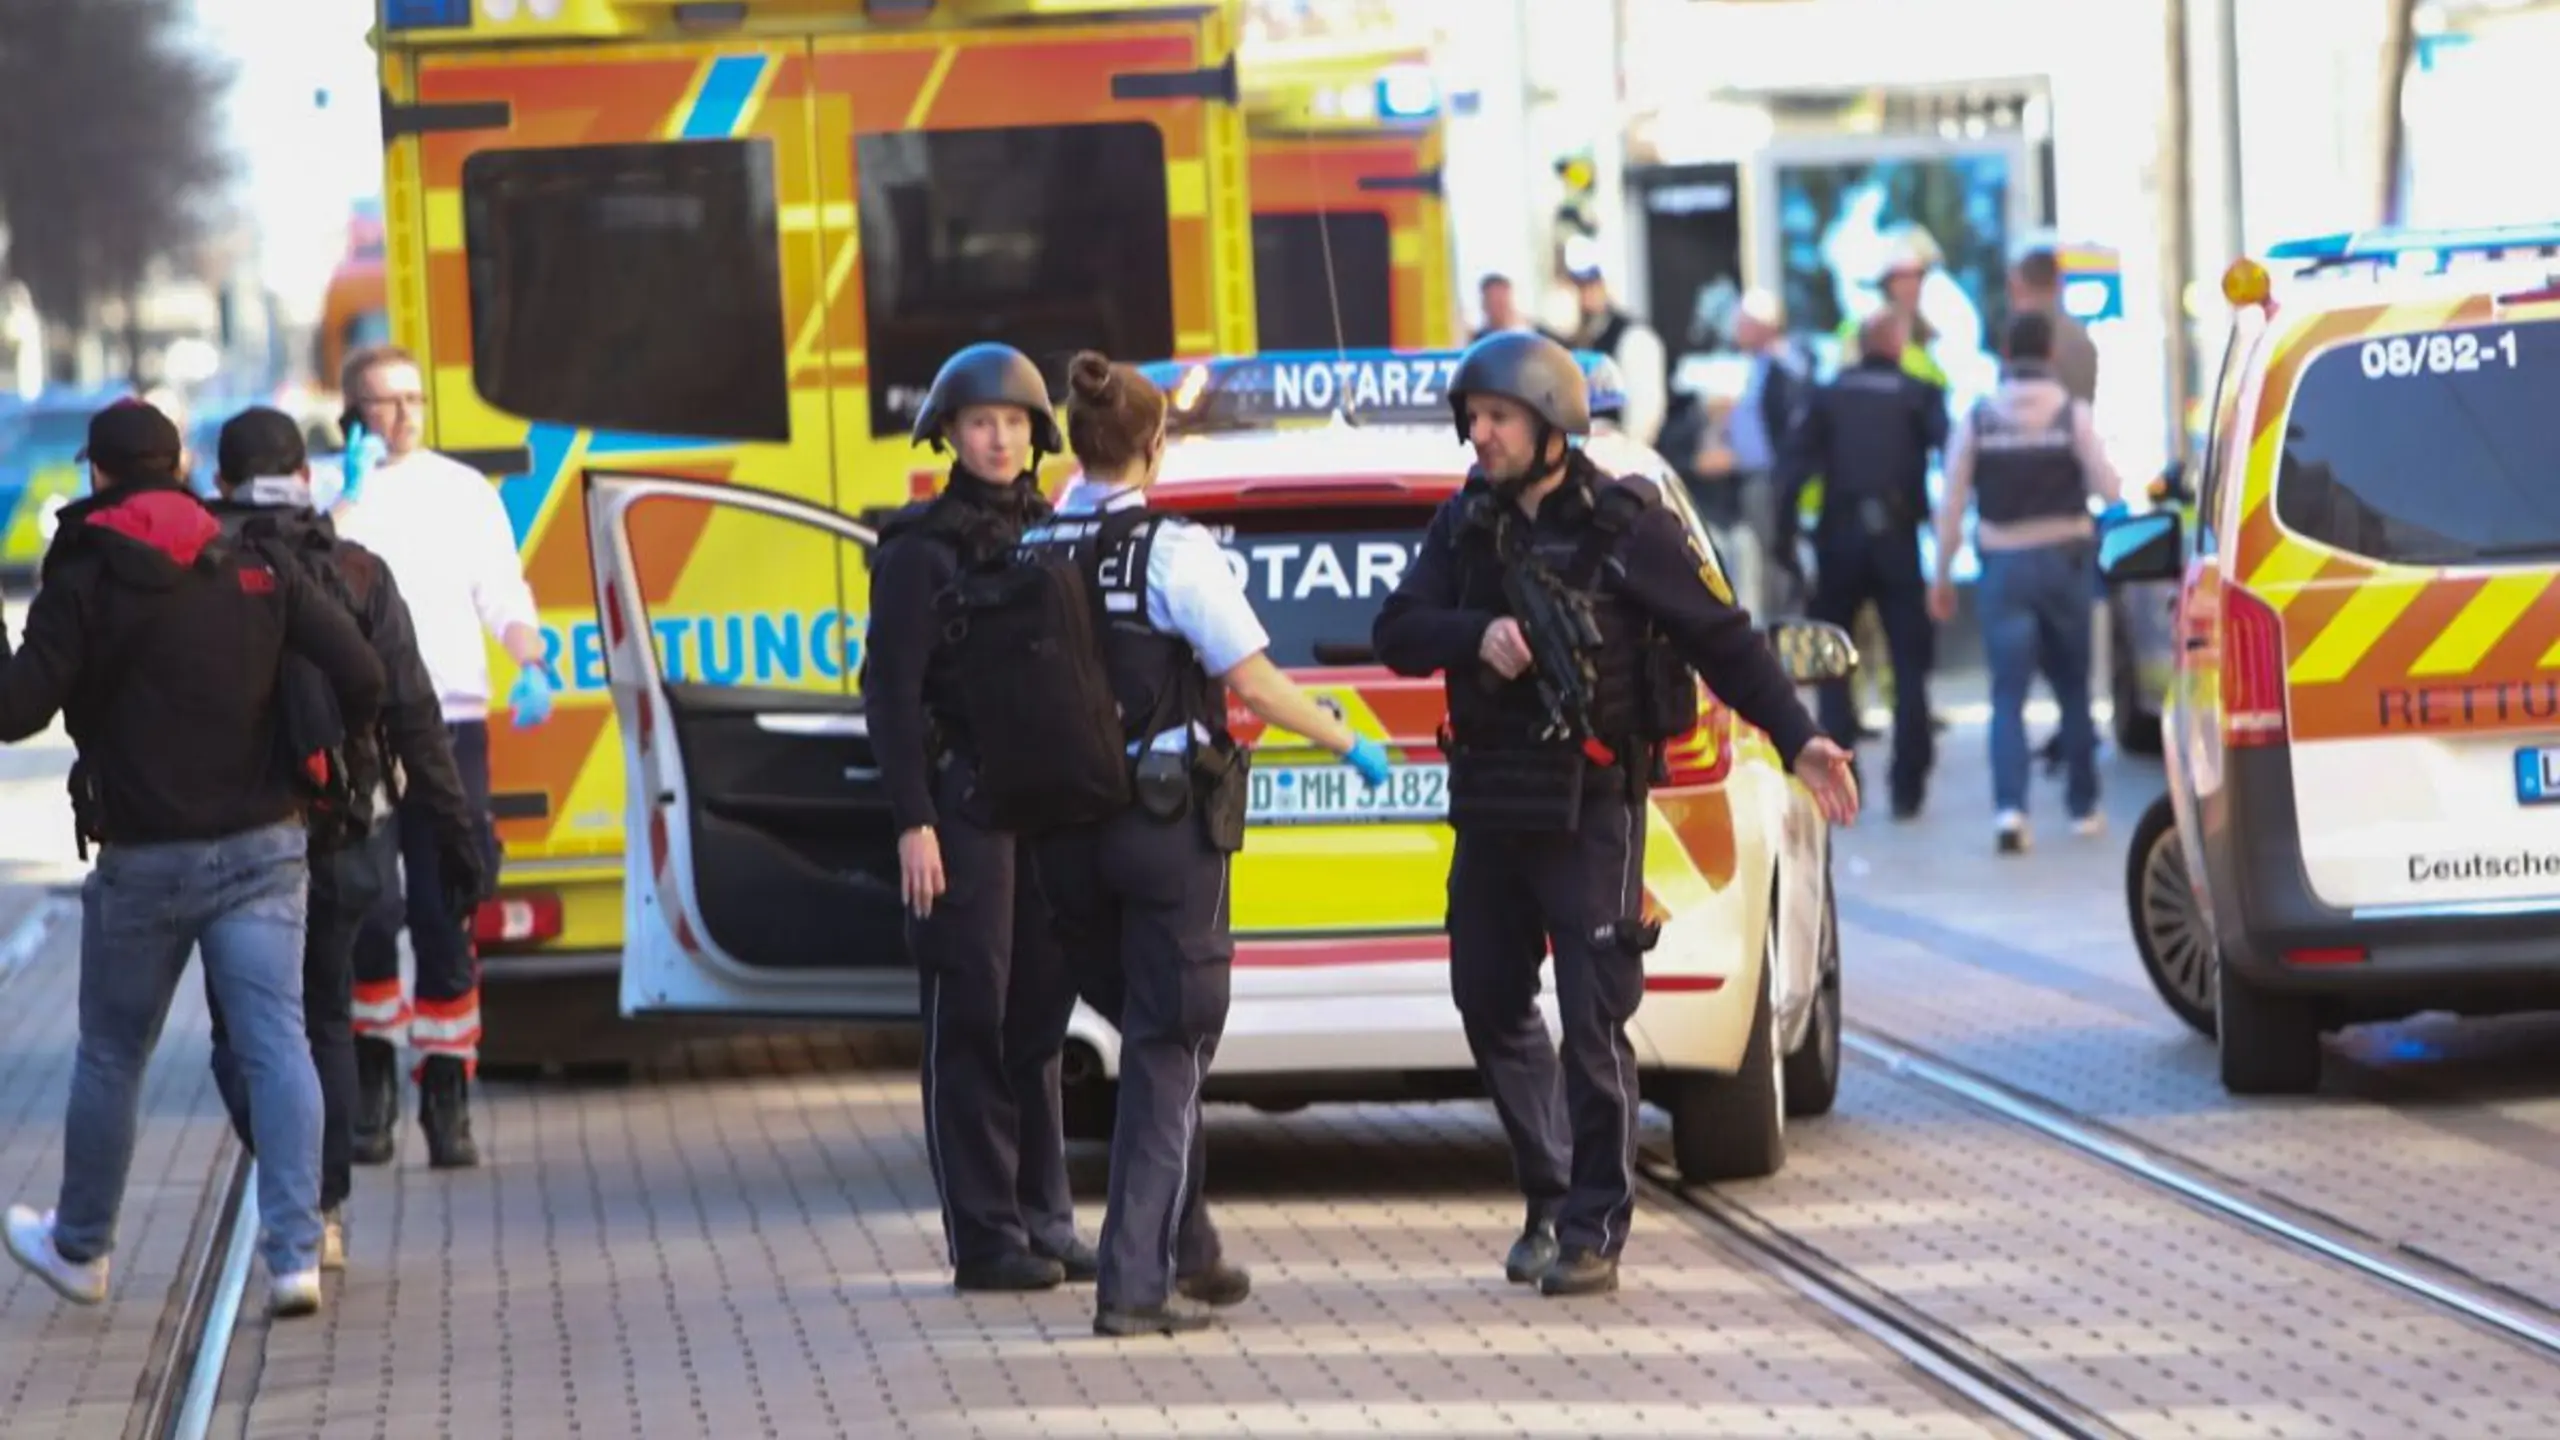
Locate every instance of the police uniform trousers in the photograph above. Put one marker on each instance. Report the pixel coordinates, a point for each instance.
(1511, 896)
(1853, 570)
(446, 1017)
(345, 885)
(1143, 908)
(997, 995)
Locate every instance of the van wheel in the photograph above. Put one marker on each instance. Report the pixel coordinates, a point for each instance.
(2169, 929)
(1734, 1127)
(1812, 1078)
(2270, 1043)
(2137, 733)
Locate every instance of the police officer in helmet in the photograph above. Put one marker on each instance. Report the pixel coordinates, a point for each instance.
(1550, 817)
(997, 993)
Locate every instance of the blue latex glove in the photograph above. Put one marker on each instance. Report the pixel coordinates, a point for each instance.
(2113, 513)
(531, 699)
(1370, 759)
(364, 451)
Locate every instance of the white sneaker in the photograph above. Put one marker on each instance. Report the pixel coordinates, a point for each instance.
(30, 1240)
(2093, 823)
(2011, 828)
(295, 1294)
(333, 1240)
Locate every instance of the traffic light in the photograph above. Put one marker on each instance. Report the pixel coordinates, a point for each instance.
(1577, 212)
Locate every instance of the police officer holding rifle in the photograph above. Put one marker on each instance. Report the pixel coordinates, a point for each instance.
(1566, 611)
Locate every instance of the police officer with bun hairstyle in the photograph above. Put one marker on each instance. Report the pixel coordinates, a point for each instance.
(996, 990)
(1142, 894)
(1548, 796)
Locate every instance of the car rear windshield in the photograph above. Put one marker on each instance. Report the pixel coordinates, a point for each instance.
(1318, 577)
(2434, 448)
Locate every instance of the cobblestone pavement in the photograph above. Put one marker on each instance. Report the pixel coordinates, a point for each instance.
(2436, 1135)
(66, 1370)
(752, 1248)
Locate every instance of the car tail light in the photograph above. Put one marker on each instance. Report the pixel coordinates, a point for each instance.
(2252, 670)
(527, 919)
(2326, 955)
(1704, 756)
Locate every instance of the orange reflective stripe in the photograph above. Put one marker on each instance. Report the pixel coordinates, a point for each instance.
(447, 1027)
(379, 1008)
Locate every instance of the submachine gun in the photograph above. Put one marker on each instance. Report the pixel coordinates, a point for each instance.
(1563, 634)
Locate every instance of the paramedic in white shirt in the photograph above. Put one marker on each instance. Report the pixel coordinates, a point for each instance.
(440, 527)
(1141, 901)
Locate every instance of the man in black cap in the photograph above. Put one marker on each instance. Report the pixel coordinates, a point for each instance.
(163, 648)
(265, 485)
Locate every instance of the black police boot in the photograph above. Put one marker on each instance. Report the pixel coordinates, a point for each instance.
(1580, 1271)
(1220, 1285)
(444, 1112)
(1076, 1258)
(1014, 1274)
(377, 1117)
(1154, 1320)
(1531, 1254)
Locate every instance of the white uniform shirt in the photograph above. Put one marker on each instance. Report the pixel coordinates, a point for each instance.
(440, 527)
(1191, 589)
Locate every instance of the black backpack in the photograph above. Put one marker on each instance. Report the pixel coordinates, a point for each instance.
(1026, 629)
(311, 733)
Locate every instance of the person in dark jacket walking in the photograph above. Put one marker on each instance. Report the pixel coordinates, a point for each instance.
(163, 649)
(997, 990)
(1869, 433)
(264, 480)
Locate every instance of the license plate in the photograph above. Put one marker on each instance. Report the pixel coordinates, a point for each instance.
(1321, 794)
(2538, 775)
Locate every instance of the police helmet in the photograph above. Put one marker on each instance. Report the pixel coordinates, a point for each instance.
(989, 374)
(1529, 368)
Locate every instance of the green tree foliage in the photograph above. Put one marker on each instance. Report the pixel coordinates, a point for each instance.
(111, 155)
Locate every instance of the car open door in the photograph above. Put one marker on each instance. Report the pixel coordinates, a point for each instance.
(767, 884)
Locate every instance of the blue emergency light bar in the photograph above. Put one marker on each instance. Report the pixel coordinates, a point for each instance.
(2348, 247)
(425, 14)
(1373, 387)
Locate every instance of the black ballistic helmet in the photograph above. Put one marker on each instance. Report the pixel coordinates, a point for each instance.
(1527, 367)
(989, 374)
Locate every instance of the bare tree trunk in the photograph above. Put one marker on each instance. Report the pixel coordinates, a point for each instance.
(133, 338)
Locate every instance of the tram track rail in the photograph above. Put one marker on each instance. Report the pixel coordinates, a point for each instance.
(2477, 1300)
(184, 1376)
(1964, 1371)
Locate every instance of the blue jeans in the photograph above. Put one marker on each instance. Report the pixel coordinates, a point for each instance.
(2035, 616)
(144, 909)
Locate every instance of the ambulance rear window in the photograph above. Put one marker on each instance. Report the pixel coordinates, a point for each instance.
(2433, 448)
(1050, 238)
(629, 287)
(1318, 577)
(1309, 269)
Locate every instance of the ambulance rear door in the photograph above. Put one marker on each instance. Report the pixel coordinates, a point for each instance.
(1351, 227)
(604, 254)
(1055, 187)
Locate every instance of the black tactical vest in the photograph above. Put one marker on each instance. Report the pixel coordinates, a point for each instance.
(967, 518)
(2026, 474)
(1511, 716)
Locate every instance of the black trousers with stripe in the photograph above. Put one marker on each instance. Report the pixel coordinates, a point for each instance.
(1143, 909)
